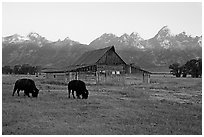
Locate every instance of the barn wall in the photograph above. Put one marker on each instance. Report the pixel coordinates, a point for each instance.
(91, 68)
(87, 77)
(96, 77)
(71, 76)
(146, 78)
(135, 70)
(110, 68)
(115, 79)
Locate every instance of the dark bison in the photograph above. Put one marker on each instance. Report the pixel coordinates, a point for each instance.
(80, 88)
(27, 85)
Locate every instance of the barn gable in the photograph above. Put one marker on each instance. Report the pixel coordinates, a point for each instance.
(105, 56)
(110, 58)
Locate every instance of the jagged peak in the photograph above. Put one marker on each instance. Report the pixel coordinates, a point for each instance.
(15, 38)
(125, 35)
(70, 41)
(108, 35)
(17, 35)
(163, 32)
(33, 34)
(67, 38)
(164, 29)
(134, 34)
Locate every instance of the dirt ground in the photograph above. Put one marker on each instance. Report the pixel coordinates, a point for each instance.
(166, 106)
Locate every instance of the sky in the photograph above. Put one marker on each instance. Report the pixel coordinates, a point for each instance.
(86, 21)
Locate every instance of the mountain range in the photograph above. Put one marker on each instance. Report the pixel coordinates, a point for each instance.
(157, 52)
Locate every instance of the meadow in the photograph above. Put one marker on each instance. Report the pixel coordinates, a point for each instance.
(166, 106)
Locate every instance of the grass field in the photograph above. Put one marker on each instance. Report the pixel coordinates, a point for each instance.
(167, 105)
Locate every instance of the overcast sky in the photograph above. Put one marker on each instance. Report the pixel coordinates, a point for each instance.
(84, 22)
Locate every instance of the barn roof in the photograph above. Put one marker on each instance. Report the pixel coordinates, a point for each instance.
(139, 68)
(53, 70)
(91, 57)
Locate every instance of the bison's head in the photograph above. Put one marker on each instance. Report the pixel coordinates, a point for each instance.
(85, 94)
(35, 94)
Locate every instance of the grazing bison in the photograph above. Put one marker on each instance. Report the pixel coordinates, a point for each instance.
(27, 85)
(80, 88)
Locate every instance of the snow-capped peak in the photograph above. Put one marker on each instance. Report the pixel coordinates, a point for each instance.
(35, 37)
(163, 32)
(136, 36)
(67, 39)
(125, 35)
(200, 41)
(33, 34)
(15, 38)
(106, 35)
(31, 37)
(70, 42)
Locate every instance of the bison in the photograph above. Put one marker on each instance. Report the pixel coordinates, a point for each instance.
(80, 88)
(27, 85)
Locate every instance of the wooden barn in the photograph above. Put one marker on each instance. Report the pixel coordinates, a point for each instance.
(104, 66)
(97, 65)
(100, 66)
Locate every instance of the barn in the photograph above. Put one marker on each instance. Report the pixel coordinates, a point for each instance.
(104, 66)
(97, 65)
(100, 66)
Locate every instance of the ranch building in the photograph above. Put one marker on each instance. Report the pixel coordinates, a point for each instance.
(100, 66)
(54, 74)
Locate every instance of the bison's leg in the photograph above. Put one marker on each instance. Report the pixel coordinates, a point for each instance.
(26, 92)
(18, 90)
(78, 96)
(69, 91)
(14, 90)
(73, 93)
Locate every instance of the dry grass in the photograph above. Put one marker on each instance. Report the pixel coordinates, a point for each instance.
(166, 106)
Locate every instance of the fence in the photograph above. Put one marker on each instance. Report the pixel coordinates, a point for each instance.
(102, 78)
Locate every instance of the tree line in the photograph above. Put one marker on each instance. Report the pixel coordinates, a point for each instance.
(21, 69)
(192, 67)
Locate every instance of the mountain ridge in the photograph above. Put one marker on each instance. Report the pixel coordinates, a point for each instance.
(159, 51)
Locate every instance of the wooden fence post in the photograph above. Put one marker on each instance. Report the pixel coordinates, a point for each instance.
(97, 77)
(76, 76)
